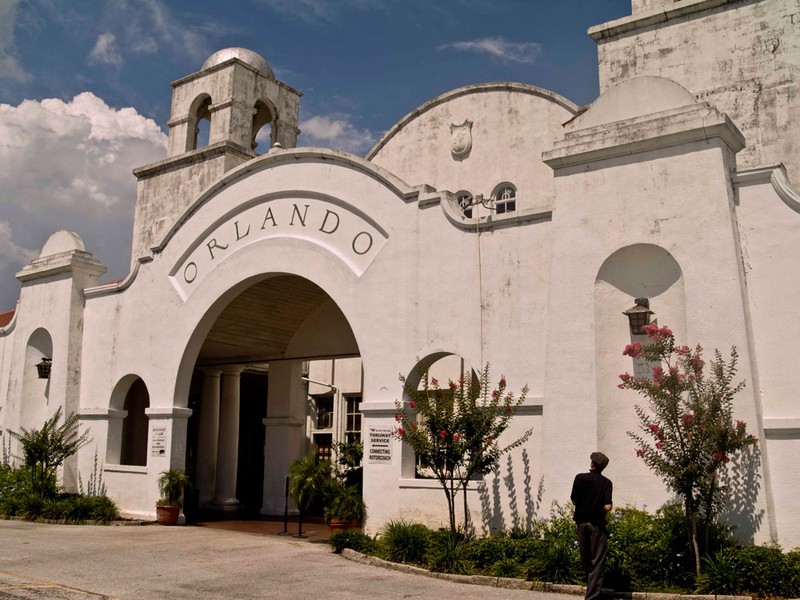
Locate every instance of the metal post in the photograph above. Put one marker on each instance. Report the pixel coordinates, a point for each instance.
(285, 509)
(300, 533)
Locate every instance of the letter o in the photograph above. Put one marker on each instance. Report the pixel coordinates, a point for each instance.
(186, 272)
(368, 248)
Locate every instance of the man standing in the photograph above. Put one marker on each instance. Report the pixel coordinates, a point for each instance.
(591, 494)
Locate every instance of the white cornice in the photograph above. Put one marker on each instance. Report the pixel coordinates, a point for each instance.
(652, 17)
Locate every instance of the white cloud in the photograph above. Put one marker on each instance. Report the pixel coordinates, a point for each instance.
(105, 51)
(335, 132)
(499, 47)
(67, 165)
(325, 10)
(10, 253)
(10, 68)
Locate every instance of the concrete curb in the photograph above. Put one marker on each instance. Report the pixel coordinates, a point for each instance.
(524, 584)
(118, 523)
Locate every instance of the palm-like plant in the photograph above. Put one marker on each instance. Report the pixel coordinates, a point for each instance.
(309, 481)
(46, 449)
(172, 484)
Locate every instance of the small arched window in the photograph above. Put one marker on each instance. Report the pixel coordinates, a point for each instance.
(505, 198)
(135, 425)
(263, 132)
(465, 200)
(199, 122)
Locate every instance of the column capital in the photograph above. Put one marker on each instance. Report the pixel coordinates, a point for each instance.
(168, 412)
(211, 372)
(231, 370)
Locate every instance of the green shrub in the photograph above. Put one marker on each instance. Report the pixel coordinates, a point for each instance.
(760, 570)
(31, 506)
(405, 542)
(14, 488)
(557, 562)
(355, 540)
(555, 557)
(485, 552)
(507, 567)
(448, 555)
(104, 509)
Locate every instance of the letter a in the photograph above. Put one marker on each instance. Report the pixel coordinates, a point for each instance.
(269, 217)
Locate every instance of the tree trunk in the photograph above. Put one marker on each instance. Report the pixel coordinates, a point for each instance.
(691, 517)
(466, 510)
(451, 509)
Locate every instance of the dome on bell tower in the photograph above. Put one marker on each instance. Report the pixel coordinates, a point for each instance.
(249, 57)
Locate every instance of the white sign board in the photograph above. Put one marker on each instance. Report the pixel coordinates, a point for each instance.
(379, 449)
(158, 446)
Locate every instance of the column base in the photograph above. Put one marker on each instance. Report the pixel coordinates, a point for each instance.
(230, 505)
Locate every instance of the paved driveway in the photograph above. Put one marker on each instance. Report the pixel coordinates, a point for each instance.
(176, 563)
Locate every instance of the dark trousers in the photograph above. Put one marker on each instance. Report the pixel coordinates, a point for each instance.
(593, 544)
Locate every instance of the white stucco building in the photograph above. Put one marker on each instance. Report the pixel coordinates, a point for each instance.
(274, 298)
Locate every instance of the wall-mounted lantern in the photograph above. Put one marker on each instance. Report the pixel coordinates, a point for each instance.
(639, 315)
(44, 368)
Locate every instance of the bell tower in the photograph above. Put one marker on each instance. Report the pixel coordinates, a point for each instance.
(236, 93)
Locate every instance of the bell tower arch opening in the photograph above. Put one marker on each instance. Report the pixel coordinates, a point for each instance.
(277, 376)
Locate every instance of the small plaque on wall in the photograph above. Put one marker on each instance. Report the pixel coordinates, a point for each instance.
(158, 445)
(379, 449)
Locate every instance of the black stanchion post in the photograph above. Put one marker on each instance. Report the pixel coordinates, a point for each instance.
(285, 509)
(300, 533)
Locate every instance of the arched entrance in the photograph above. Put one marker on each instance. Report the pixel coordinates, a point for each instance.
(277, 376)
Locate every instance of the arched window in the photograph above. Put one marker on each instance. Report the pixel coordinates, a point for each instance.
(134, 425)
(505, 198)
(199, 122)
(128, 424)
(439, 369)
(35, 406)
(263, 133)
(465, 200)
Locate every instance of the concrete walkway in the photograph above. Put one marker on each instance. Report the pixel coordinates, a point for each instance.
(219, 561)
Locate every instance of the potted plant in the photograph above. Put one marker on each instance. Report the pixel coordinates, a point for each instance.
(171, 484)
(346, 508)
(310, 479)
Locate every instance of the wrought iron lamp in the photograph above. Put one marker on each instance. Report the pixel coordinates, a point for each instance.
(639, 315)
(44, 367)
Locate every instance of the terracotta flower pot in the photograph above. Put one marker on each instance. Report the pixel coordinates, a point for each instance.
(336, 525)
(167, 515)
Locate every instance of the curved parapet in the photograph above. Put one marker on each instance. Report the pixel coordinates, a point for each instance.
(481, 88)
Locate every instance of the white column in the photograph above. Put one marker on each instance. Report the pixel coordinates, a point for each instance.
(285, 441)
(228, 440)
(208, 436)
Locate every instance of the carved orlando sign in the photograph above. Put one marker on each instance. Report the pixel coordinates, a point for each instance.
(351, 236)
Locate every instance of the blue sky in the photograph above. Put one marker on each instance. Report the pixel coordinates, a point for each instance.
(85, 94)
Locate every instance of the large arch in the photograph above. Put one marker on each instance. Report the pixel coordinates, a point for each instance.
(635, 271)
(35, 406)
(247, 368)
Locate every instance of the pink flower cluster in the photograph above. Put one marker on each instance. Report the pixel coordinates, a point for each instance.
(625, 377)
(656, 333)
(633, 350)
(687, 419)
(720, 456)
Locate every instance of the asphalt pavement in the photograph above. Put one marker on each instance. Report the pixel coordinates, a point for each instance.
(72, 562)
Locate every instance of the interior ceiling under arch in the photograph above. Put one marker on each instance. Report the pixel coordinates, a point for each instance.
(259, 323)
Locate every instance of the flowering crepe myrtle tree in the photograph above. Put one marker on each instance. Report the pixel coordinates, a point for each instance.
(688, 435)
(456, 437)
